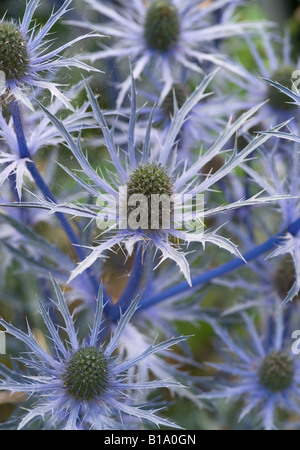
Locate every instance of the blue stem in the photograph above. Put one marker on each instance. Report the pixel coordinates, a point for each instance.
(16, 115)
(221, 270)
(132, 287)
(40, 183)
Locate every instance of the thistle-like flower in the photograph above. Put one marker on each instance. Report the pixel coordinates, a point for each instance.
(270, 65)
(276, 277)
(284, 177)
(25, 54)
(155, 170)
(82, 385)
(266, 371)
(165, 36)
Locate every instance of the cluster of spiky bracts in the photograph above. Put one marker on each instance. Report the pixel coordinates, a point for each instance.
(148, 179)
(277, 371)
(162, 26)
(86, 374)
(170, 113)
(14, 59)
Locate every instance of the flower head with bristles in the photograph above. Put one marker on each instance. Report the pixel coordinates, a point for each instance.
(14, 58)
(271, 67)
(155, 171)
(265, 371)
(166, 36)
(25, 54)
(277, 371)
(279, 173)
(162, 28)
(83, 385)
(150, 179)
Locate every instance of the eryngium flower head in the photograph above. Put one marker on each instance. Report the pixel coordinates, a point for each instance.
(14, 58)
(165, 36)
(274, 67)
(265, 371)
(148, 179)
(25, 53)
(162, 25)
(158, 170)
(279, 275)
(86, 374)
(277, 371)
(83, 385)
